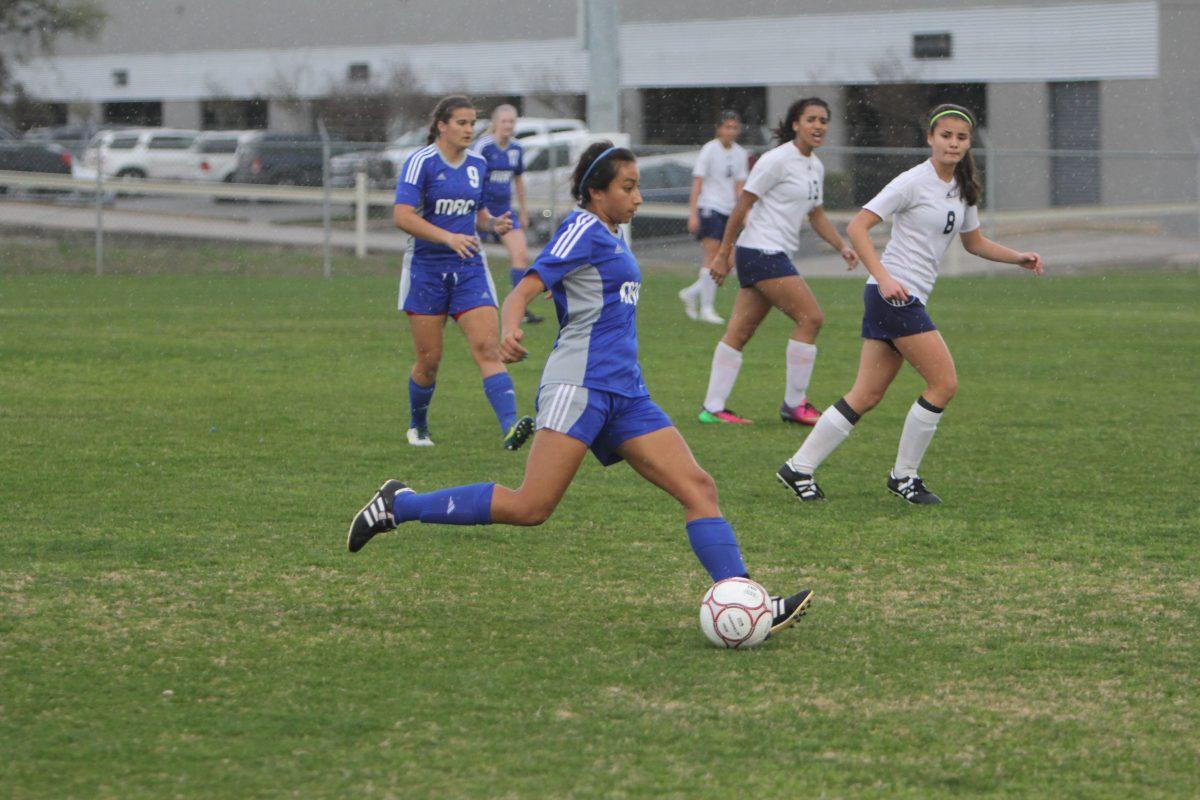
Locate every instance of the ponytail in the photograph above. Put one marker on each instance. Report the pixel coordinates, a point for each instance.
(965, 171)
(443, 111)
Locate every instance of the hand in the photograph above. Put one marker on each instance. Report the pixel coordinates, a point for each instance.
(693, 223)
(1031, 262)
(850, 257)
(720, 266)
(524, 219)
(502, 224)
(891, 289)
(511, 350)
(465, 246)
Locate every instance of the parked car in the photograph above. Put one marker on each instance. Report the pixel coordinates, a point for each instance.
(284, 159)
(28, 156)
(70, 137)
(157, 153)
(382, 167)
(549, 161)
(214, 155)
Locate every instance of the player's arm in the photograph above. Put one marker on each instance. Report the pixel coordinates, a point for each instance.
(722, 263)
(513, 312)
(519, 186)
(979, 245)
(693, 221)
(484, 221)
(859, 231)
(408, 220)
(825, 229)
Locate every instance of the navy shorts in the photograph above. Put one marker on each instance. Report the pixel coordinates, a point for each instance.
(712, 224)
(601, 420)
(497, 211)
(454, 292)
(884, 321)
(758, 265)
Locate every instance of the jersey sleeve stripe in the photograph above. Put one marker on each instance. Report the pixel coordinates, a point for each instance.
(566, 234)
(572, 237)
(414, 166)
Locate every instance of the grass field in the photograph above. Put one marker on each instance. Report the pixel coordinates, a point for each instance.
(179, 618)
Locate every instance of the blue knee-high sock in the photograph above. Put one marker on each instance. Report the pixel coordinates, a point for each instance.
(503, 397)
(419, 398)
(717, 548)
(515, 276)
(458, 505)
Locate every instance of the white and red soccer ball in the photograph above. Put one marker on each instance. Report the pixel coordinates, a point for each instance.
(736, 613)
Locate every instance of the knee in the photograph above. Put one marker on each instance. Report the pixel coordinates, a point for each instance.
(532, 514)
(811, 323)
(737, 337)
(700, 490)
(485, 352)
(425, 370)
(943, 391)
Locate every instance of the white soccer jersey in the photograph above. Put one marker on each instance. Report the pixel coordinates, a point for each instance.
(788, 185)
(720, 168)
(926, 215)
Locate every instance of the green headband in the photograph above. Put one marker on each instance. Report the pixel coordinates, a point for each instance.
(954, 111)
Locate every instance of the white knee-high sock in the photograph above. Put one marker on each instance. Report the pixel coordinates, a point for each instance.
(831, 430)
(800, 359)
(726, 364)
(919, 427)
(706, 287)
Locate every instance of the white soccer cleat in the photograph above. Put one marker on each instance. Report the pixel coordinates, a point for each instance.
(419, 437)
(689, 303)
(710, 315)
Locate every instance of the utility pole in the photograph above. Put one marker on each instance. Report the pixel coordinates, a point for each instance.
(603, 43)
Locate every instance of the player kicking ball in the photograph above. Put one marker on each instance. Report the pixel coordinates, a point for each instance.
(592, 394)
(928, 204)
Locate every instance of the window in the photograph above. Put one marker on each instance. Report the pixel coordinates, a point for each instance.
(932, 45)
(541, 159)
(228, 145)
(123, 143)
(120, 77)
(170, 142)
(359, 72)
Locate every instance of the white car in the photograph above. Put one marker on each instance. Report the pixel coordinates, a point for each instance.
(157, 153)
(214, 155)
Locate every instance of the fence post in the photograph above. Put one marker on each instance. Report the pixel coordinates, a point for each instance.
(326, 211)
(99, 213)
(360, 212)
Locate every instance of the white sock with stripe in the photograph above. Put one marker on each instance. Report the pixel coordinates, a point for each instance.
(726, 365)
(801, 356)
(919, 427)
(830, 431)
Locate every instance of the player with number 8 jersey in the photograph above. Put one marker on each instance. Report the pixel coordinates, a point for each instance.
(929, 204)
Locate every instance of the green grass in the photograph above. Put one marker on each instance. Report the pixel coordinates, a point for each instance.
(179, 618)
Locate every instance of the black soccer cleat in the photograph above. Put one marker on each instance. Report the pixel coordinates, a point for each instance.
(912, 489)
(375, 517)
(532, 318)
(801, 483)
(789, 609)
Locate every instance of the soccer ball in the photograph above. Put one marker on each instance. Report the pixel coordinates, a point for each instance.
(736, 613)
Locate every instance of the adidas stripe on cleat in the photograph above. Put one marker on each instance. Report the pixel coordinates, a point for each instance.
(801, 483)
(912, 489)
(375, 517)
(787, 610)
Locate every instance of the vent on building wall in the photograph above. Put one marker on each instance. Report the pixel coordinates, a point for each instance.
(120, 77)
(359, 72)
(932, 45)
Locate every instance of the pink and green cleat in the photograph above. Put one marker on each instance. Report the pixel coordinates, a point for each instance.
(804, 414)
(723, 417)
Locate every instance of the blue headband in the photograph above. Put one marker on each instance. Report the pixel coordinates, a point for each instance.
(592, 166)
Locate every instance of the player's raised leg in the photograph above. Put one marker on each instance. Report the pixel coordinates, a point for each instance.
(427, 335)
(481, 327)
(928, 354)
(749, 309)
(878, 364)
(664, 458)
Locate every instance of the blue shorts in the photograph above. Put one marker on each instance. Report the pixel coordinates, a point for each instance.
(884, 321)
(497, 211)
(601, 420)
(758, 265)
(712, 224)
(455, 292)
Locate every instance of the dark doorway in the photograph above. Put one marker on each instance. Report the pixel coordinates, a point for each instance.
(895, 115)
(141, 115)
(231, 115)
(1075, 125)
(687, 116)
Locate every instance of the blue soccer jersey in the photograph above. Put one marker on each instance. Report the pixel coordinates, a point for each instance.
(503, 166)
(445, 196)
(595, 282)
